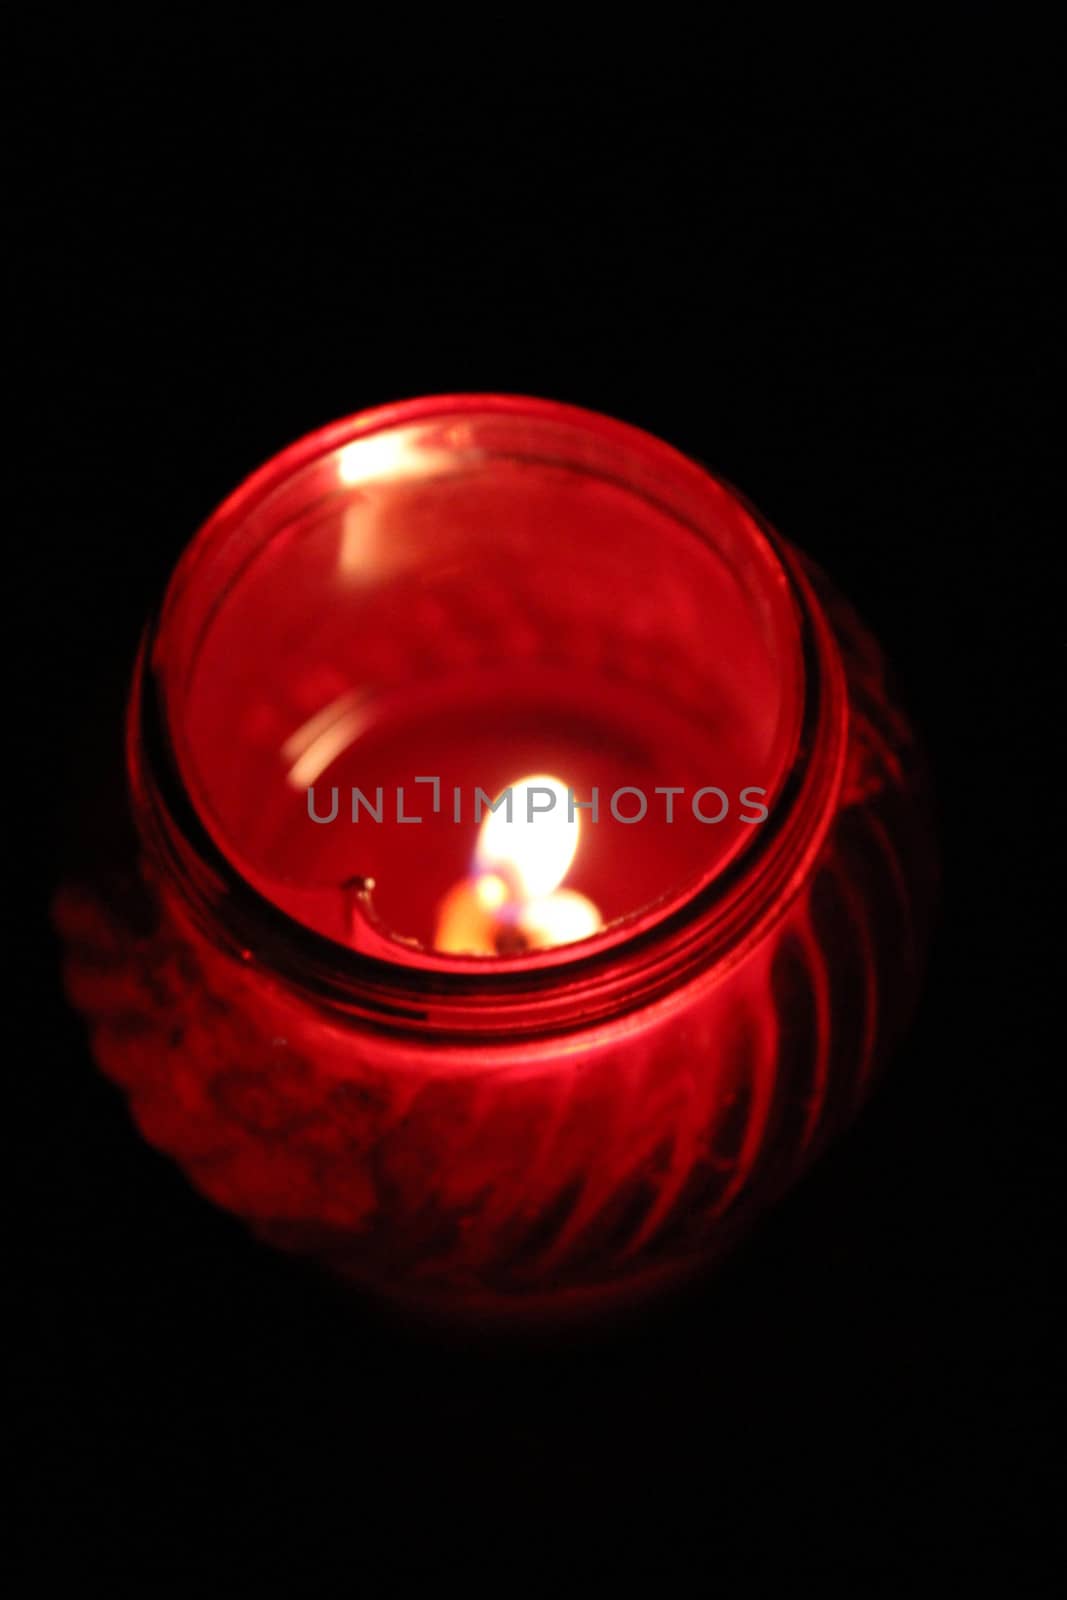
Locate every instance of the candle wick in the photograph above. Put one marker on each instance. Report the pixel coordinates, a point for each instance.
(510, 941)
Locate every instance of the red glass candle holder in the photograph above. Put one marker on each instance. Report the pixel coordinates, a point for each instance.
(469, 590)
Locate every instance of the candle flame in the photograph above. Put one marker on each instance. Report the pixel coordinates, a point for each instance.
(560, 918)
(515, 902)
(534, 846)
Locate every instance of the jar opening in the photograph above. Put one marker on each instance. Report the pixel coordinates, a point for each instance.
(411, 612)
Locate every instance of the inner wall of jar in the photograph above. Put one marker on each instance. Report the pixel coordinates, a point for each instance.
(479, 601)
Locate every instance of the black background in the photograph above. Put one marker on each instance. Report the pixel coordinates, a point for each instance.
(817, 263)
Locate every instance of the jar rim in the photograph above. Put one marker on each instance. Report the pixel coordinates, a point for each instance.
(636, 959)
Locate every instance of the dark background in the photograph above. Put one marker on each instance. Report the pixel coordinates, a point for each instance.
(821, 267)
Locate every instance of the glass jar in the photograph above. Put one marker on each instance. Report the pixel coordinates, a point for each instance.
(462, 589)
